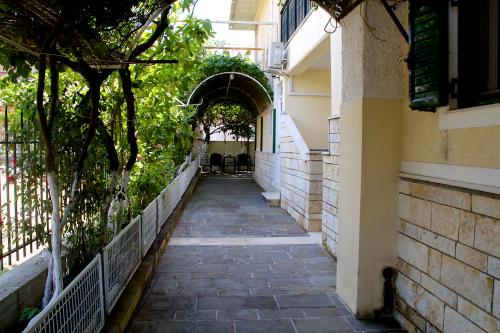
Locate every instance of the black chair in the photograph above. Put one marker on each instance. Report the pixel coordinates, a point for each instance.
(216, 160)
(242, 159)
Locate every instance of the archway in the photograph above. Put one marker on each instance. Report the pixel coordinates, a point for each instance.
(238, 86)
(230, 88)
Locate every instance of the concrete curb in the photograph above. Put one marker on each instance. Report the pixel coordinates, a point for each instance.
(129, 300)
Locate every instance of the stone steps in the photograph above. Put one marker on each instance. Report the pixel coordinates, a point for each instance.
(272, 198)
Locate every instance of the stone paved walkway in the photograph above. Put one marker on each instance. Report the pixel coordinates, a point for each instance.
(251, 288)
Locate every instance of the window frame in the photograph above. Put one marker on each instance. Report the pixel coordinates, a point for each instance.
(465, 107)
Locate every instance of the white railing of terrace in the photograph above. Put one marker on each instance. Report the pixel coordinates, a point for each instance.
(79, 308)
(120, 259)
(82, 304)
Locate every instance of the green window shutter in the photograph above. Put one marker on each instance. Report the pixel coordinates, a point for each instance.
(428, 59)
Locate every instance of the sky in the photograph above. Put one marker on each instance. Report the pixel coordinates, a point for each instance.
(220, 10)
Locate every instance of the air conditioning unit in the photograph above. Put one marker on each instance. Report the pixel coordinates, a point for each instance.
(275, 55)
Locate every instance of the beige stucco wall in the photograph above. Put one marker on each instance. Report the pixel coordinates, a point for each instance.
(444, 239)
(310, 113)
(423, 141)
(370, 149)
(230, 147)
(367, 200)
(268, 12)
(313, 81)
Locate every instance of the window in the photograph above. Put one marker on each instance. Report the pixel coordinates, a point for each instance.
(454, 53)
(478, 57)
(292, 15)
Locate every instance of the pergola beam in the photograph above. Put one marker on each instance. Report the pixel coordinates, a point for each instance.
(236, 48)
(243, 22)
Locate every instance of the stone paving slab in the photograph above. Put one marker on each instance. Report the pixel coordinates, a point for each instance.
(232, 207)
(246, 296)
(244, 288)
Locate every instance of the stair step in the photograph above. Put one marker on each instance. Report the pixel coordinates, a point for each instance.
(272, 198)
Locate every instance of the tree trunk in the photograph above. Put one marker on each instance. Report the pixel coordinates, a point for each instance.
(109, 202)
(47, 294)
(206, 129)
(54, 283)
(56, 238)
(120, 200)
(114, 164)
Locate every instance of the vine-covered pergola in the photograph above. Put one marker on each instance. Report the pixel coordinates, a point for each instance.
(229, 95)
(226, 89)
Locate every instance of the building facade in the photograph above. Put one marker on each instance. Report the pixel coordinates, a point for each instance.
(355, 153)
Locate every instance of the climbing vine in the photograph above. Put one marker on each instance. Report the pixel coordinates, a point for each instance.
(96, 122)
(229, 116)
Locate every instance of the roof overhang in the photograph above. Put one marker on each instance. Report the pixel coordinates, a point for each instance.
(243, 10)
(234, 86)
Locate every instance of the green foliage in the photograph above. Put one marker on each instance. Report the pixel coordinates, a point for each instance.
(82, 232)
(163, 129)
(229, 116)
(85, 30)
(28, 313)
(219, 63)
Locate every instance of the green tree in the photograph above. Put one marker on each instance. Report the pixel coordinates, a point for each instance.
(95, 40)
(228, 117)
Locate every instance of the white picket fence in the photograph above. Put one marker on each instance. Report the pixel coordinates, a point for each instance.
(82, 304)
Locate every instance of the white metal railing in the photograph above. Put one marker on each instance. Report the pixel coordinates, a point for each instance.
(82, 304)
(79, 308)
(149, 225)
(165, 200)
(120, 259)
(172, 194)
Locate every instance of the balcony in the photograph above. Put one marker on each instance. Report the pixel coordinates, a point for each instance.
(292, 15)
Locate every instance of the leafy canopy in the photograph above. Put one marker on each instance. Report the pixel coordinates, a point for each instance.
(163, 129)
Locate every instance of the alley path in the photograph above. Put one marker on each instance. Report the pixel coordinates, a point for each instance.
(261, 273)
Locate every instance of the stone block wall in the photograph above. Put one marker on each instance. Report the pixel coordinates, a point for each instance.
(264, 170)
(448, 259)
(331, 187)
(301, 182)
(20, 288)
